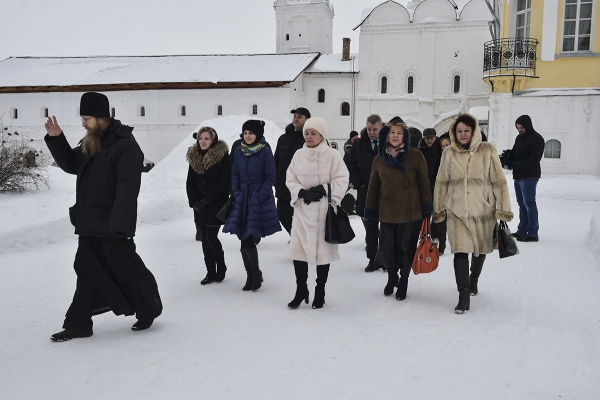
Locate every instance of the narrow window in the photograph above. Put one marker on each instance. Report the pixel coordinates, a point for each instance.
(410, 84)
(345, 108)
(552, 149)
(112, 112)
(15, 113)
(142, 111)
(577, 25)
(45, 112)
(254, 109)
(183, 111)
(456, 83)
(219, 110)
(523, 19)
(321, 95)
(287, 36)
(384, 84)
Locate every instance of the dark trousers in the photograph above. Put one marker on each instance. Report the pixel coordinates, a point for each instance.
(111, 276)
(525, 189)
(285, 213)
(371, 237)
(438, 231)
(211, 245)
(397, 245)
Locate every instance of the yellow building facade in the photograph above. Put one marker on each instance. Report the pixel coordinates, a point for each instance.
(545, 62)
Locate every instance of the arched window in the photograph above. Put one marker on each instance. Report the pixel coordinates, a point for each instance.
(254, 109)
(456, 84)
(552, 149)
(45, 112)
(112, 112)
(182, 111)
(142, 111)
(219, 110)
(321, 96)
(410, 85)
(14, 113)
(345, 108)
(384, 86)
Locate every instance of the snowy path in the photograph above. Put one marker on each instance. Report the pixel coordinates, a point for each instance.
(533, 331)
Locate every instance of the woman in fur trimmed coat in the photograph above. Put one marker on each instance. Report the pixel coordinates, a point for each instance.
(207, 186)
(470, 193)
(313, 167)
(252, 214)
(399, 196)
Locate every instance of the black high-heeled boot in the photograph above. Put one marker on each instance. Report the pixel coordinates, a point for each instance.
(301, 271)
(322, 274)
(461, 273)
(255, 271)
(402, 288)
(211, 271)
(221, 267)
(248, 284)
(476, 267)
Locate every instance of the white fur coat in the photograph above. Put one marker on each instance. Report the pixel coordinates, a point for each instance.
(312, 167)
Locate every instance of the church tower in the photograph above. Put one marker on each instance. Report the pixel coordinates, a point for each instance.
(304, 26)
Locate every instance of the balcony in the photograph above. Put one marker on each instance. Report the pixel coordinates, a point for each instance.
(509, 57)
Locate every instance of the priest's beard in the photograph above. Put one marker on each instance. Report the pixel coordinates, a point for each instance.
(92, 142)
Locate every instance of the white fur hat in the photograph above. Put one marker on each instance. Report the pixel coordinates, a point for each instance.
(318, 124)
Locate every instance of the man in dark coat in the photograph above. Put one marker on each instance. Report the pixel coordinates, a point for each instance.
(111, 276)
(430, 146)
(359, 161)
(287, 145)
(524, 160)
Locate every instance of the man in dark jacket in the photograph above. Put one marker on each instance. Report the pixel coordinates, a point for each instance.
(429, 145)
(524, 160)
(287, 145)
(111, 276)
(359, 160)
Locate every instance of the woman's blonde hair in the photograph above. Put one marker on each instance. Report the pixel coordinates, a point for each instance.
(397, 123)
(211, 132)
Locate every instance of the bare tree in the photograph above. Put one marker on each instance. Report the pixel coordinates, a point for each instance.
(22, 167)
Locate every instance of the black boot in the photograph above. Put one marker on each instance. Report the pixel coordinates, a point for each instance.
(221, 267)
(301, 271)
(461, 273)
(476, 267)
(211, 271)
(248, 284)
(69, 334)
(322, 274)
(383, 261)
(255, 272)
(402, 288)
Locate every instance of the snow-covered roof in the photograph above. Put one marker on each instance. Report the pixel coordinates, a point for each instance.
(559, 92)
(114, 70)
(332, 63)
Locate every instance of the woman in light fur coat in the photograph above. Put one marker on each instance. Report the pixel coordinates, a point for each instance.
(312, 168)
(471, 194)
(207, 187)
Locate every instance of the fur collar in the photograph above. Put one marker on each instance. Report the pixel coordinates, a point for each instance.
(201, 163)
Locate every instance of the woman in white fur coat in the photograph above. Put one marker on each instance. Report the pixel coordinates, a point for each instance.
(312, 168)
(471, 193)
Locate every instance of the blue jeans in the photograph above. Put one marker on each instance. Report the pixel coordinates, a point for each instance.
(528, 212)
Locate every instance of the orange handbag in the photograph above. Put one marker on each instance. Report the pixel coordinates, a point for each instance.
(427, 256)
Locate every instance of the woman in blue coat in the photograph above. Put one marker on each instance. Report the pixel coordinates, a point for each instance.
(253, 212)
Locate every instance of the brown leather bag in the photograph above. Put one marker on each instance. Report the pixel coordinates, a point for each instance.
(427, 256)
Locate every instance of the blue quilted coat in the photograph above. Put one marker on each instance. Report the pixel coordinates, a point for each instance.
(253, 210)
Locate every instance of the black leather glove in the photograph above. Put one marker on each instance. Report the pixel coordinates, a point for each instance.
(199, 206)
(309, 196)
(318, 190)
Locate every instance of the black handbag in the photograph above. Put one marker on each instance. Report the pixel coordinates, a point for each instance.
(337, 225)
(224, 211)
(507, 246)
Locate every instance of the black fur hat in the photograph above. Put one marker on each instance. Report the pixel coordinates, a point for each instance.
(255, 126)
(94, 105)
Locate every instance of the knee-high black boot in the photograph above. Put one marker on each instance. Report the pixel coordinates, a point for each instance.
(248, 284)
(461, 273)
(211, 271)
(301, 271)
(322, 274)
(255, 272)
(383, 260)
(476, 267)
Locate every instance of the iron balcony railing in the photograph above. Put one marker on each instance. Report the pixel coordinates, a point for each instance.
(515, 57)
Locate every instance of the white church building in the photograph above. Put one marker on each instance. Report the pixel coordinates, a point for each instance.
(423, 62)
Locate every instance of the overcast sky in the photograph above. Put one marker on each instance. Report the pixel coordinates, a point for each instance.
(154, 27)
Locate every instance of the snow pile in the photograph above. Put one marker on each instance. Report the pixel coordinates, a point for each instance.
(163, 195)
(593, 236)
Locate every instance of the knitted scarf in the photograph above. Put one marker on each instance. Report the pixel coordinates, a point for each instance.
(394, 151)
(249, 150)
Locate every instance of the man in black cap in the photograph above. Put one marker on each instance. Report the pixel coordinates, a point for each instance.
(111, 276)
(288, 143)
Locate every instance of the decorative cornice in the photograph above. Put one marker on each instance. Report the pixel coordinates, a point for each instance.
(382, 29)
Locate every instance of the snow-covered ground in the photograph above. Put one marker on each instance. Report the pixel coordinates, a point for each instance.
(533, 332)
